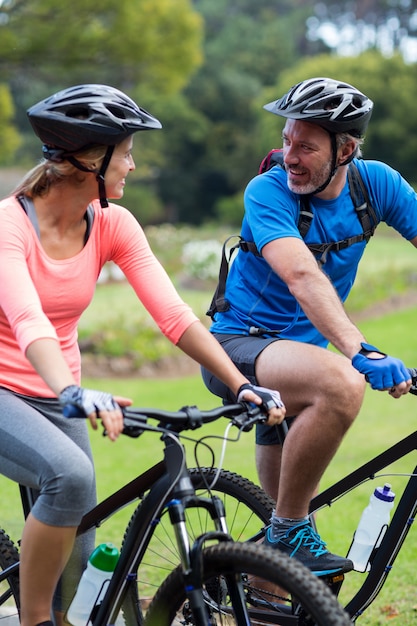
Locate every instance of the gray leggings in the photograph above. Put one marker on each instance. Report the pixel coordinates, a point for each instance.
(51, 454)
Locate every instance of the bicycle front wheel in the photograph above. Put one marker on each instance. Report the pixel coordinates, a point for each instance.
(9, 587)
(265, 575)
(248, 510)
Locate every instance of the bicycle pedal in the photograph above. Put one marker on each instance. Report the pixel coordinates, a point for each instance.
(334, 582)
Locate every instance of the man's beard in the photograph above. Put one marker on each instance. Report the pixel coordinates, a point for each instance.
(318, 178)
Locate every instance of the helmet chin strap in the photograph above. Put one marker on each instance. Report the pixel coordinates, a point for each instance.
(334, 166)
(99, 176)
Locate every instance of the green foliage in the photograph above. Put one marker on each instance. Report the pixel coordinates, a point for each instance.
(9, 136)
(152, 42)
(205, 69)
(242, 53)
(142, 201)
(387, 270)
(230, 209)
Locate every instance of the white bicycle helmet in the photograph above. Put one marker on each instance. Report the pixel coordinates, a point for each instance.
(336, 106)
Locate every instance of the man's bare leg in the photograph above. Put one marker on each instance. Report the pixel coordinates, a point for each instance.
(326, 393)
(268, 467)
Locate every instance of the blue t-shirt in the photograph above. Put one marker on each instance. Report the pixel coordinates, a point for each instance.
(257, 296)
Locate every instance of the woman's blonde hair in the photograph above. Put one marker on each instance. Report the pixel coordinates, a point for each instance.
(39, 180)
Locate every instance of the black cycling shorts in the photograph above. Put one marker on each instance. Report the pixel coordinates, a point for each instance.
(244, 350)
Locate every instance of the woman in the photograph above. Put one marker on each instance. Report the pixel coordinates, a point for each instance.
(58, 230)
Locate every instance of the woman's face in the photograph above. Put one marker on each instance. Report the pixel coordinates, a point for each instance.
(121, 163)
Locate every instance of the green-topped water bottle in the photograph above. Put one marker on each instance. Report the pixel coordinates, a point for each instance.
(93, 584)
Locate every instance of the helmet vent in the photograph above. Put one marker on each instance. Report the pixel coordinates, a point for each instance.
(81, 113)
(85, 115)
(117, 112)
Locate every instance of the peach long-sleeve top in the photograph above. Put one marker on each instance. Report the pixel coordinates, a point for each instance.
(42, 297)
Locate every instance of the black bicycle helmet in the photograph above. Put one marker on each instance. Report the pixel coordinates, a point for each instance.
(85, 116)
(332, 104)
(88, 115)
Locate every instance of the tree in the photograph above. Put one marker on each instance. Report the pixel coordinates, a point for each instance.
(144, 47)
(155, 43)
(9, 136)
(246, 44)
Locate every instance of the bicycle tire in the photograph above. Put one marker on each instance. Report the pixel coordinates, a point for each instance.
(247, 507)
(248, 510)
(310, 602)
(9, 588)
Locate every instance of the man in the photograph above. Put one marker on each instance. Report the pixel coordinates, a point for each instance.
(284, 304)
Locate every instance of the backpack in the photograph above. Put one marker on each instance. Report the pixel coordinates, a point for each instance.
(365, 212)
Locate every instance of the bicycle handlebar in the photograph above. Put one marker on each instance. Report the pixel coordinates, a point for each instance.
(243, 415)
(413, 376)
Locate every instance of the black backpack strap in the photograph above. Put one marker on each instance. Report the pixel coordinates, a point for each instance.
(219, 302)
(322, 249)
(360, 198)
(305, 217)
(365, 212)
(363, 207)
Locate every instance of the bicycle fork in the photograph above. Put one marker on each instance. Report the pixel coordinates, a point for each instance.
(192, 556)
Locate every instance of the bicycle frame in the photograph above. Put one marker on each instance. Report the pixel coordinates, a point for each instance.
(159, 480)
(168, 486)
(168, 478)
(383, 557)
(176, 482)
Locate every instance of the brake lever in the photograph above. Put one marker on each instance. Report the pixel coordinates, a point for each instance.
(247, 420)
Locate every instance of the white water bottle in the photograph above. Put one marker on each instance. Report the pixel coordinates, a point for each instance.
(93, 584)
(371, 528)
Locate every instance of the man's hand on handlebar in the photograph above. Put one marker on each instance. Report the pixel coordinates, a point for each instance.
(382, 372)
(95, 404)
(268, 399)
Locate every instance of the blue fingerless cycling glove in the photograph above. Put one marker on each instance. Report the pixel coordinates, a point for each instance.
(381, 373)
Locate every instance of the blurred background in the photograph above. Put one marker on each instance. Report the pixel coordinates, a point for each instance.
(205, 68)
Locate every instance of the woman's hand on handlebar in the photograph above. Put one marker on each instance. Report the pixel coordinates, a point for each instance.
(269, 399)
(112, 420)
(95, 404)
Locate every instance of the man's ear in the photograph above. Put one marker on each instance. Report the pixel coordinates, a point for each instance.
(346, 152)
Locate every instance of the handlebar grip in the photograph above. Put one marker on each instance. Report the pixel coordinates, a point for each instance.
(413, 376)
(70, 410)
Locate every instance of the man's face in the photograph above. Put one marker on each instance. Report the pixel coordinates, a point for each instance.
(307, 156)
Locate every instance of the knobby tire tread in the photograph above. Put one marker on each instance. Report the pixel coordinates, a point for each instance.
(278, 568)
(229, 483)
(9, 555)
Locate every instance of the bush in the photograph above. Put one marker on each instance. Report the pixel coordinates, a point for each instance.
(201, 259)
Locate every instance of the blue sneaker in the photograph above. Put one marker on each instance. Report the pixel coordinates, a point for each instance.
(303, 543)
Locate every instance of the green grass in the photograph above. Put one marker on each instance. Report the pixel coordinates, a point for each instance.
(388, 269)
(382, 421)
